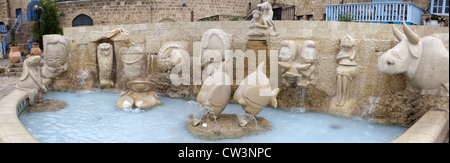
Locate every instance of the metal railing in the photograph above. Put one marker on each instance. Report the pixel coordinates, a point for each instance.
(6, 41)
(377, 12)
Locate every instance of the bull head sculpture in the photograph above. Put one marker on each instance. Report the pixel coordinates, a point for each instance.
(404, 57)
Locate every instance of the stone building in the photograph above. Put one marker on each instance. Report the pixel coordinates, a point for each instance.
(9, 9)
(115, 12)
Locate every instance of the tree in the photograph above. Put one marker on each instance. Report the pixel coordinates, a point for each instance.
(47, 21)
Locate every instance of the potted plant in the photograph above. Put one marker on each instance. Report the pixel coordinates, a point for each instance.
(432, 21)
(14, 53)
(442, 21)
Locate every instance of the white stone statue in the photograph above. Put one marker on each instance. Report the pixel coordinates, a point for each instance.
(105, 57)
(56, 55)
(288, 60)
(139, 94)
(31, 81)
(170, 55)
(215, 93)
(424, 61)
(346, 70)
(295, 67)
(254, 93)
(262, 23)
(213, 46)
(133, 61)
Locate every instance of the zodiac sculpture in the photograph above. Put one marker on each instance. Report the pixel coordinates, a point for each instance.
(30, 80)
(133, 61)
(346, 70)
(295, 67)
(213, 46)
(105, 63)
(254, 93)
(424, 61)
(262, 23)
(139, 94)
(56, 56)
(169, 56)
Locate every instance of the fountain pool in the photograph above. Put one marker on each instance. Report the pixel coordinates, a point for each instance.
(92, 117)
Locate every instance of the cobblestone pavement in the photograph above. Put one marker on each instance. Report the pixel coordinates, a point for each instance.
(7, 84)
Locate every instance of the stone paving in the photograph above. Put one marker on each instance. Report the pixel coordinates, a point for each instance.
(7, 83)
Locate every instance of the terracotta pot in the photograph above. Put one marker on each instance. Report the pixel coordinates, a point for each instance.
(35, 50)
(14, 54)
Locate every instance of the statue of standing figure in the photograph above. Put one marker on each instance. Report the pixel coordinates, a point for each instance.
(105, 64)
(346, 70)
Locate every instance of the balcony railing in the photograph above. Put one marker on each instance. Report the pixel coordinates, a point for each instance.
(387, 12)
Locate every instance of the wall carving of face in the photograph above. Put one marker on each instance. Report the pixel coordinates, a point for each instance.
(56, 56)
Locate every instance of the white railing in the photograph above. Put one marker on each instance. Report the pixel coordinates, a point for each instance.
(377, 12)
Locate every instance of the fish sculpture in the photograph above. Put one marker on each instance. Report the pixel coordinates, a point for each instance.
(254, 93)
(215, 92)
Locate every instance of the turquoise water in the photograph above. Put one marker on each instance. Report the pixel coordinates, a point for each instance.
(92, 117)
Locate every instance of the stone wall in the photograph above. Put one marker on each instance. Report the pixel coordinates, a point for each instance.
(4, 12)
(107, 12)
(370, 38)
(113, 12)
(18, 4)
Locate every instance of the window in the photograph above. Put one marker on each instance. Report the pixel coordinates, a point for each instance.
(439, 7)
(82, 20)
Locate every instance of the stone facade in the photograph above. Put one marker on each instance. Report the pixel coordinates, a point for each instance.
(4, 12)
(115, 12)
(112, 12)
(8, 9)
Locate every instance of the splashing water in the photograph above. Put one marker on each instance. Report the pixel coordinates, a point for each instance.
(241, 23)
(200, 112)
(373, 103)
(301, 95)
(83, 75)
(126, 104)
(243, 119)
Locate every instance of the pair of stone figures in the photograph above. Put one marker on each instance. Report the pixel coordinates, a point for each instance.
(299, 69)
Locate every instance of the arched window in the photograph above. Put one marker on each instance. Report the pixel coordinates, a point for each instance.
(82, 20)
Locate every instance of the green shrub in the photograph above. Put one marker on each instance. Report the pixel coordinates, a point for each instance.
(47, 22)
(345, 18)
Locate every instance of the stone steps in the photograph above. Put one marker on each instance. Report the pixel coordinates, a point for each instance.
(14, 69)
